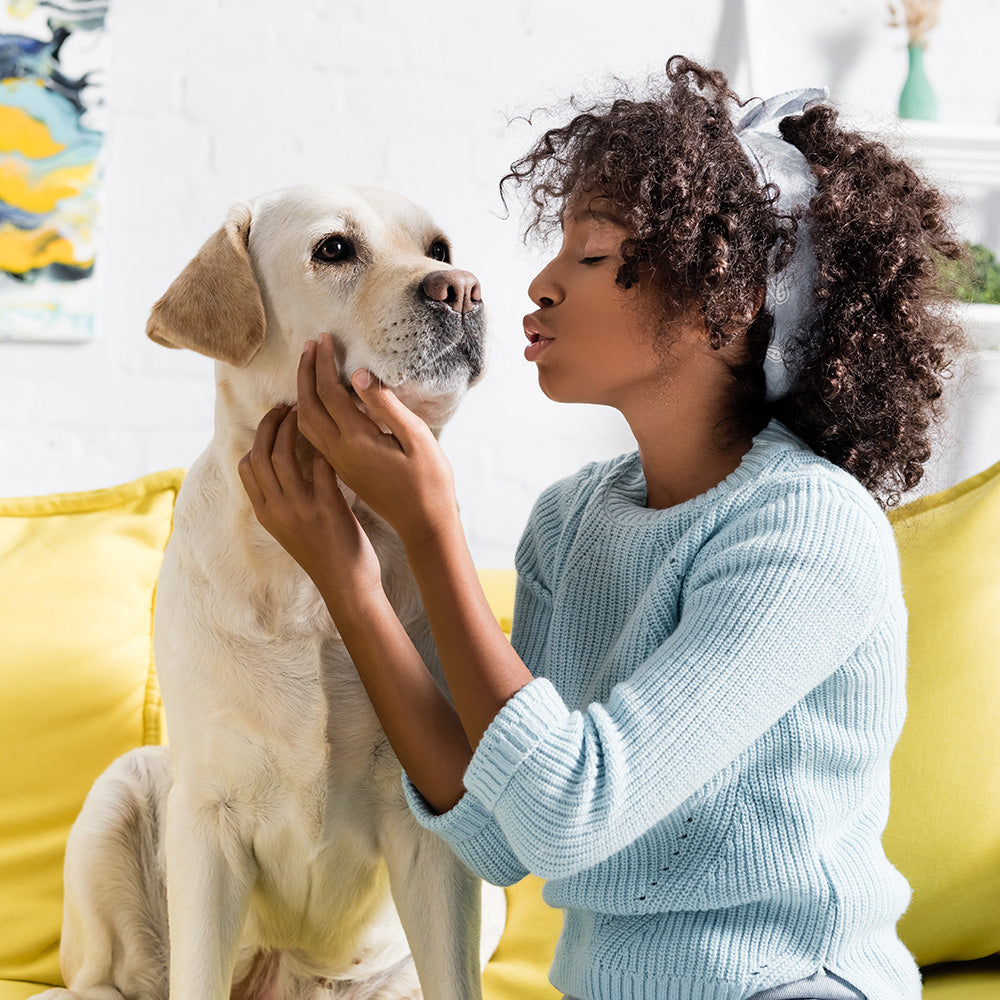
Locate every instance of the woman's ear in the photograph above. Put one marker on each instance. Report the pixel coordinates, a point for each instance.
(214, 305)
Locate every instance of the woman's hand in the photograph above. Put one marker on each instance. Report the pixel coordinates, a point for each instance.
(310, 519)
(402, 475)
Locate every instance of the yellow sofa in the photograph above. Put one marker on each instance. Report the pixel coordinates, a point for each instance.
(78, 688)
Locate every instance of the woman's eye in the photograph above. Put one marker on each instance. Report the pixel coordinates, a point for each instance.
(593, 260)
(334, 250)
(439, 250)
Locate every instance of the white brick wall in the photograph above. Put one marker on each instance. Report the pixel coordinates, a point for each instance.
(213, 100)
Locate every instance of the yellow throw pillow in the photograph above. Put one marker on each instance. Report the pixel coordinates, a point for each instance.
(519, 968)
(77, 688)
(944, 824)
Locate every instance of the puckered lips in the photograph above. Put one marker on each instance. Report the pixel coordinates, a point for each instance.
(538, 338)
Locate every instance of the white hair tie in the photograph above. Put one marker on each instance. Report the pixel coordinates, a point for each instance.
(789, 295)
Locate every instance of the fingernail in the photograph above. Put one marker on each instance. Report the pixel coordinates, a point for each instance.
(361, 379)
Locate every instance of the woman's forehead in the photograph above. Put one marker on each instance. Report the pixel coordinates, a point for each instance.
(593, 208)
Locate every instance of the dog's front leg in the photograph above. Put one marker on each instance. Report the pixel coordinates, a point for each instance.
(439, 904)
(210, 876)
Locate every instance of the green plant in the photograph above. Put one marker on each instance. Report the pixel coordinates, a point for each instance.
(976, 278)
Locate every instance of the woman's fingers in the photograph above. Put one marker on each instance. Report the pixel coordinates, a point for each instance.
(328, 385)
(259, 457)
(310, 405)
(326, 410)
(284, 460)
(250, 484)
(271, 469)
(325, 485)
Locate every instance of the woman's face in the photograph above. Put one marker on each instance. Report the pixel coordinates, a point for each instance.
(591, 340)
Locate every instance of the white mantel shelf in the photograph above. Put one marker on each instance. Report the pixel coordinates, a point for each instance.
(955, 154)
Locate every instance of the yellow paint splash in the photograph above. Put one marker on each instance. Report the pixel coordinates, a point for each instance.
(20, 133)
(44, 193)
(24, 250)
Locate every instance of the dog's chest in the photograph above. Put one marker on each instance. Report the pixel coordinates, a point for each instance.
(249, 657)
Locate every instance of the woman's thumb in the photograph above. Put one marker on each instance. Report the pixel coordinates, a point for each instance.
(382, 404)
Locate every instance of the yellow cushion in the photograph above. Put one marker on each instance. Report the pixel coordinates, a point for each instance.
(944, 824)
(519, 968)
(77, 689)
(16, 989)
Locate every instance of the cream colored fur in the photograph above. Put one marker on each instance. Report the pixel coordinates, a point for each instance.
(273, 837)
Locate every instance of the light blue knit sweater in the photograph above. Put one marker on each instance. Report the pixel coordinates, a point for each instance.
(701, 767)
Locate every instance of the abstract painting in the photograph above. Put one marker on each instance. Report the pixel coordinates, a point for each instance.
(53, 82)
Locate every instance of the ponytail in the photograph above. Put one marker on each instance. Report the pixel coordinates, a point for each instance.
(881, 346)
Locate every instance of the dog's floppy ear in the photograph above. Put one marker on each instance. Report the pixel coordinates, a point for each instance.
(214, 306)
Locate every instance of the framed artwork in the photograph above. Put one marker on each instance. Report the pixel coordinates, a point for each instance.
(53, 84)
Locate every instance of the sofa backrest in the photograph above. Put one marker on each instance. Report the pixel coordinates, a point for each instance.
(77, 684)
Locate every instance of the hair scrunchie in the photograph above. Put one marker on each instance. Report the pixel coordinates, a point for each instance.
(789, 295)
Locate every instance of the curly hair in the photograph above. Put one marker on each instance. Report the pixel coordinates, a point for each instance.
(704, 234)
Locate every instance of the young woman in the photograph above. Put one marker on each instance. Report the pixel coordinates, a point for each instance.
(689, 735)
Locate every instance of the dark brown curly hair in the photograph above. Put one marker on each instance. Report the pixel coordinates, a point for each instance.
(703, 233)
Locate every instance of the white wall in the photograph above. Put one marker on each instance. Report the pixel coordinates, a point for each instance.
(214, 100)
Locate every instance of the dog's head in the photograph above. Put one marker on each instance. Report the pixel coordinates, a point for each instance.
(362, 264)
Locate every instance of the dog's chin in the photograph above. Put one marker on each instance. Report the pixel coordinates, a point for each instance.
(432, 405)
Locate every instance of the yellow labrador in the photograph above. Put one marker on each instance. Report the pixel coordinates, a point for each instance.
(273, 837)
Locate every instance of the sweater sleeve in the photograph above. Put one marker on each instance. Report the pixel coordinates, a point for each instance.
(774, 602)
(473, 835)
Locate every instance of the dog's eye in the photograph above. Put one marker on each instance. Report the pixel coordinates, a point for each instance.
(334, 250)
(439, 250)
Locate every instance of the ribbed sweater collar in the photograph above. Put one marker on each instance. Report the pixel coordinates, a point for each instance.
(624, 490)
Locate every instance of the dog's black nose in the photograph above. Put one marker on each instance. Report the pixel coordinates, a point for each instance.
(458, 289)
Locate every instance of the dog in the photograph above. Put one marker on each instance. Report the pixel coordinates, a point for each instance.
(273, 838)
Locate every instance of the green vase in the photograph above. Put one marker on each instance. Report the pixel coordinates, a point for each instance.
(917, 98)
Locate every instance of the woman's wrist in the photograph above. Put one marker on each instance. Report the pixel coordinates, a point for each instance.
(427, 534)
(349, 601)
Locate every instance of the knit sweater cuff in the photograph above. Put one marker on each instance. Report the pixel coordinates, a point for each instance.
(463, 822)
(512, 736)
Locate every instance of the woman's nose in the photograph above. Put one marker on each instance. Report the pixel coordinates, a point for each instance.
(544, 290)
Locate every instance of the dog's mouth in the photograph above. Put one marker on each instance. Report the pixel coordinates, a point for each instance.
(453, 349)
